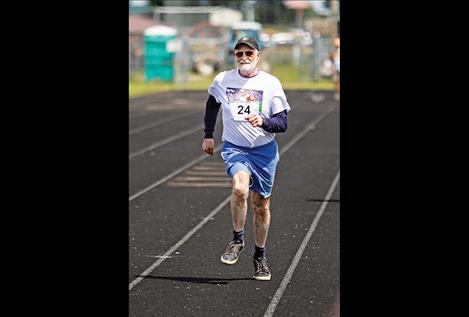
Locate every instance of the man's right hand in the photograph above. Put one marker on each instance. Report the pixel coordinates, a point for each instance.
(208, 145)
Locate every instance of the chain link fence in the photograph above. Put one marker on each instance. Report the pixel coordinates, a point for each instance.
(202, 57)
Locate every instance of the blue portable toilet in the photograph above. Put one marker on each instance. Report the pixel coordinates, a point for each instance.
(159, 58)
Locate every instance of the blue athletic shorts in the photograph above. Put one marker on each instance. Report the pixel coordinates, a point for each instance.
(260, 162)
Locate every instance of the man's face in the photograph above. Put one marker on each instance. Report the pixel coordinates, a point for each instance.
(246, 58)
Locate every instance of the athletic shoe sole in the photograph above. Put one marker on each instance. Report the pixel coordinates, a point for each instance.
(262, 278)
(228, 261)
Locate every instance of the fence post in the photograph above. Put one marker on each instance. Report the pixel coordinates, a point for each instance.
(316, 56)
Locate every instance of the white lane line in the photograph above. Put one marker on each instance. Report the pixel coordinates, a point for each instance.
(308, 128)
(215, 211)
(179, 243)
(286, 279)
(200, 184)
(179, 170)
(200, 158)
(317, 97)
(203, 168)
(197, 178)
(167, 140)
(157, 123)
(143, 101)
(206, 173)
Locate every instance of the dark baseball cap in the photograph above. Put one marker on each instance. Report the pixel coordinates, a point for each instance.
(249, 41)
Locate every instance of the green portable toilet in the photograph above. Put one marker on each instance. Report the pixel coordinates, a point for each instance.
(159, 58)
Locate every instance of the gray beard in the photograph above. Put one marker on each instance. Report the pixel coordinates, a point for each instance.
(246, 69)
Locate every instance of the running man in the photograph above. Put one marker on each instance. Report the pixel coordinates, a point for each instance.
(254, 108)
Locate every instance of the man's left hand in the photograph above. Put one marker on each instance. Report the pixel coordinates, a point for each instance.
(255, 120)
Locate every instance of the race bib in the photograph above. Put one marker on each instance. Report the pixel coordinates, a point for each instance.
(240, 110)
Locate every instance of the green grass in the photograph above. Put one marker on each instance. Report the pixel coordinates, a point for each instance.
(139, 87)
(287, 74)
(290, 78)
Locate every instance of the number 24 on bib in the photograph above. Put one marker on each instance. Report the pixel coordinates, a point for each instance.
(240, 110)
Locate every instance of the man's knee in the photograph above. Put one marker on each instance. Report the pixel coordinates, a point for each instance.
(261, 210)
(241, 185)
(260, 205)
(240, 191)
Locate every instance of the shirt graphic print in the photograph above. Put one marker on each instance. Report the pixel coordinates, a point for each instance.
(243, 102)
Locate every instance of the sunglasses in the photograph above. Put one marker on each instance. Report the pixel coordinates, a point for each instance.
(248, 54)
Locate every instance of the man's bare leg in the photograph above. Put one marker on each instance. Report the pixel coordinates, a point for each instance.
(261, 208)
(261, 221)
(239, 206)
(239, 198)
